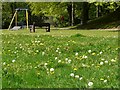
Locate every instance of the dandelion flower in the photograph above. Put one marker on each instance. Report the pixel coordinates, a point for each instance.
(76, 76)
(13, 61)
(89, 51)
(106, 61)
(59, 52)
(45, 64)
(101, 52)
(37, 50)
(90, 83)
(41, 44)
(66, 59)
(85, 57)
(56, 50)
(56, 58)
(112, 60)
(69, 61)
(51, 69)
(105, 81)
(101, 79)
(101, 63)
(83, 65)
(76, 54)
(43, 53)
(80, 78)
(75, 69)
(103, 59)
(4, 63)
(93, 53)
(72, 74)
(59, 61)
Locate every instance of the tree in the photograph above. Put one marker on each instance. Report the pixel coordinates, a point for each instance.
(85, 12)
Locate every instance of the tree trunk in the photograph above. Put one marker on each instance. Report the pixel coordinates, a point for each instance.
(98, 11)
(85, 13)
(69, 9)
(72, 23)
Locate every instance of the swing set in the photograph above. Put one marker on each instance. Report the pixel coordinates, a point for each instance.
(15, 16)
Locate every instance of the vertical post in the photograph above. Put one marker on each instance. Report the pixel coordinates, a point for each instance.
(12, 19)
(72, 14)
(27, 18)
(33, 26)
(16, 19)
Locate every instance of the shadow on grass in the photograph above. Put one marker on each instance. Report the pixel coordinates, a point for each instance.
(78, 35)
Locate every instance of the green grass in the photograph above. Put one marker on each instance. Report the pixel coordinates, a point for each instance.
(30, 51)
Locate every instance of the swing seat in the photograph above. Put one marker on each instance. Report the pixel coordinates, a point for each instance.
(16, 28)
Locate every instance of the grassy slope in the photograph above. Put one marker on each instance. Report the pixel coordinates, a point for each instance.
(28, 70)
(111, 20)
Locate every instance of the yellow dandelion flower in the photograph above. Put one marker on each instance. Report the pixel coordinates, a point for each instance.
(101, 79)
(75, 69)
(93, 53)
(51, 72)
(38, 73)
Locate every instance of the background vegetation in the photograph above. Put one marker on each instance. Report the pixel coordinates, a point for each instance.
(60, 14)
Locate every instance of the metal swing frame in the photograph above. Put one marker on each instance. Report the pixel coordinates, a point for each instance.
(15, 16)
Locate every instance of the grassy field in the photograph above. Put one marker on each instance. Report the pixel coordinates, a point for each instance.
(60, 59)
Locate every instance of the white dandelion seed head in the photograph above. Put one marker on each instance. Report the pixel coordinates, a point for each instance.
(46, 64)
(13, 60)
(72, 74)
(56, 50)
(76, 54)
(66, 59)
(4, 63)
(105, 81)
(101, 52)
(102, 59)
(43, 53)
(59, 61)
(83, 65)
(51, 69)
(101, 63)
(80, 78)
(85, 57)
(37, 50)
(59, 52)
(76, 76)
(106, 61)
(89, 51)
(38, 41)
(56, 58)
(90, 83)
(69, 61)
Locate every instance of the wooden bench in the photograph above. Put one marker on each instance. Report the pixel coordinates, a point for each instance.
(46, 25)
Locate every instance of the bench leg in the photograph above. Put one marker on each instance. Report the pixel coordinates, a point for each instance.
(48, 29)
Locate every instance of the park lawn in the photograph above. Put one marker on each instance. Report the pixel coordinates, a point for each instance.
(60, 59)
